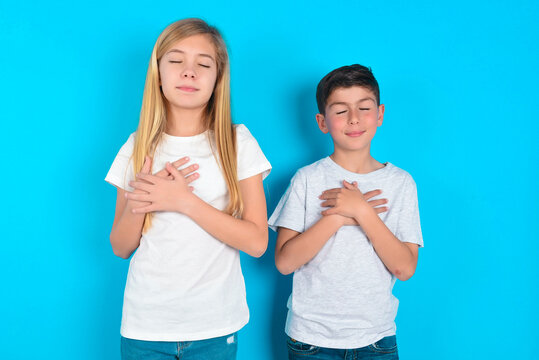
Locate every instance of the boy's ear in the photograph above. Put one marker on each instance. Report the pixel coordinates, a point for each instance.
(321, 120)
(381, 110)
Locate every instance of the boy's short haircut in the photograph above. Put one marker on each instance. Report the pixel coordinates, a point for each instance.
(345, 77)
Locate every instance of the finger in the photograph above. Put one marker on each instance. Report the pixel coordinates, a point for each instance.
(137, 197)
(326, 196)
(189, 169)
(380, 210)
(152, 179)
(371, 194)
(192, 178)
(141, 185)
(180, 162)
(328, 203)
(147, 166)
(378, 202)
(330, 192)
(331, 211)
(143, 209)
(164, 172)
(348, 185)
(175, 173)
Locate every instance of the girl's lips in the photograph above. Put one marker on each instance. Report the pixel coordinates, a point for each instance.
(355, 133)
(187, 88)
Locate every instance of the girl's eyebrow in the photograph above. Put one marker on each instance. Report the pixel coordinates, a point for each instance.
(183, 52)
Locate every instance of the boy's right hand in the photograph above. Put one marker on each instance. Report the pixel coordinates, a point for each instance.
(375, 204)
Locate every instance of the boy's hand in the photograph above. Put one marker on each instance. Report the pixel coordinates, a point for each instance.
(348, 201)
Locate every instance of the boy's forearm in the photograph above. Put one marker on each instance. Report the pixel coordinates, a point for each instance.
(299, 250)
(395, 255)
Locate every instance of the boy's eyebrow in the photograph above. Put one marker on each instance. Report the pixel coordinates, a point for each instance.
(345, 103)
(183, 52)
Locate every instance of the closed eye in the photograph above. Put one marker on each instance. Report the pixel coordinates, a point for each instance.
(341, 112)
(175, 61)
(364, 108)
(206, 66)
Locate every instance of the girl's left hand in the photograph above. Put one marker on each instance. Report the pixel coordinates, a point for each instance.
(164, 194)
(349, 200)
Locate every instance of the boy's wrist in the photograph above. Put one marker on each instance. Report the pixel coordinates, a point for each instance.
(362, 212)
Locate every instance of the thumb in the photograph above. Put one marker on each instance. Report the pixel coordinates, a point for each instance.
(349, 186)
(147, 166)
(173, 171)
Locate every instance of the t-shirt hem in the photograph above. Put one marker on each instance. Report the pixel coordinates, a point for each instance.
(113, 180)
(276, 225)
(183, 336)
(264, 168)
(340, 344)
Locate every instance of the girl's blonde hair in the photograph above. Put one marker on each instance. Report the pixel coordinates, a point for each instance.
(217, 115)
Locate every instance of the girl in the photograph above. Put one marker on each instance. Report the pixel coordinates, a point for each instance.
(185, 293)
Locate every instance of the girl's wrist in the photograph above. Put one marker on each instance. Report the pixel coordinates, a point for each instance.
(187, 205)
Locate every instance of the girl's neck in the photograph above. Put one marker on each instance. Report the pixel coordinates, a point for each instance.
(360, 162)
(185, 122)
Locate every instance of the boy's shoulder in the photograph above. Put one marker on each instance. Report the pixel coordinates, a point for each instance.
(398, 172)
(313, 168)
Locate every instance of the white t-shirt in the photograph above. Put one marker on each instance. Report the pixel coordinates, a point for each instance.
(342, 297)
(183, 284)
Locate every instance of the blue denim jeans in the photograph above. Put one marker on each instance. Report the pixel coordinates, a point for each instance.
(384, 349)
(220, 348)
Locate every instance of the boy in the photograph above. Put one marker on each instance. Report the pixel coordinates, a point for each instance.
(348, 226)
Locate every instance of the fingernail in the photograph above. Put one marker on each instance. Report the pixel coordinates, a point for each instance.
(195, 166)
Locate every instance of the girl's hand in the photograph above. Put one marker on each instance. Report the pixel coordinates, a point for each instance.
(348, 201)
(146, 169)
(164, 193)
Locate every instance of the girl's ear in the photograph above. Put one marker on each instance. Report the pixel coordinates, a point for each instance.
(321, 120)
(381, 110)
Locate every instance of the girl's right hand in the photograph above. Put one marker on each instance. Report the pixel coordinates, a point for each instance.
(164, 173)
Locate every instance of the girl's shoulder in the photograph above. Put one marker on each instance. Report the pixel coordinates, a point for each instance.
(127, 147)
(242, 133)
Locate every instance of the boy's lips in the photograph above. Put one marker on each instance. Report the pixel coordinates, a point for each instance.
(355, 133)
(187, 88)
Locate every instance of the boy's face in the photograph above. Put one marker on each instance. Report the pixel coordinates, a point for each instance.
(352, 117)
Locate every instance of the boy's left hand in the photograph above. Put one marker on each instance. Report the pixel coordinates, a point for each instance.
(349, 200)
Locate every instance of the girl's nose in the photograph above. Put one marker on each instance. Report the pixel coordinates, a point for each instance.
(188, 73)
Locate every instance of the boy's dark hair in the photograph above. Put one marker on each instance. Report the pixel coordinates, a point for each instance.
(345, 77)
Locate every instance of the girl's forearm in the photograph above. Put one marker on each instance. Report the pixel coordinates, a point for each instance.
(126, 232)
(395, 255)
(244, 235)
(302, 248)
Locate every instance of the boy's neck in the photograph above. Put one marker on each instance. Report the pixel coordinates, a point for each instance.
(360, 162)
(184, 122)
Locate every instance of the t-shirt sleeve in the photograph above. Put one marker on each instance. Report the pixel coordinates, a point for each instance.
(251, 159)
(290, 211)
(121, 171)
(409, 227)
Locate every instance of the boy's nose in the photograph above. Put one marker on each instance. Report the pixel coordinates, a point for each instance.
(354, 118)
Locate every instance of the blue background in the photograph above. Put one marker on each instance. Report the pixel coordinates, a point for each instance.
(459, 81)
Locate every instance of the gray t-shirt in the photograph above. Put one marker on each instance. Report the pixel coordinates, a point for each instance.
(343, 298)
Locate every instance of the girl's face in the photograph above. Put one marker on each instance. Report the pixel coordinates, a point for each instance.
(188, 72)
